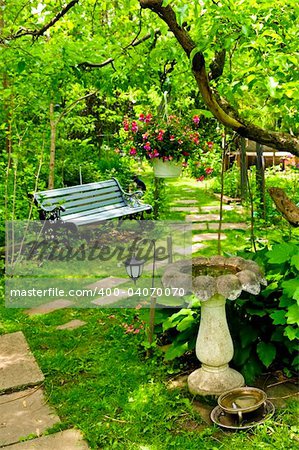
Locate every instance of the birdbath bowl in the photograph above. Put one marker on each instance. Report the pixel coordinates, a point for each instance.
(242, 400)
(213, 281)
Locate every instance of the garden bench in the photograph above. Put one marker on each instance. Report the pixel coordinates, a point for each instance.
(90, 203)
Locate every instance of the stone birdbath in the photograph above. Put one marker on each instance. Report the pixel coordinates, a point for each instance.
(213, 281)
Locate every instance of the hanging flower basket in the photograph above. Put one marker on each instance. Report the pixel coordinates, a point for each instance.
(167, 169)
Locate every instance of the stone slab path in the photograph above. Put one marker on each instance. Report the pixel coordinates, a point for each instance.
(18, 367)
(64, 440)
(187, 209)
(208, 237)
(71, 325)
(49, 307)
(105, 283)
(25, 412)
(202, 217)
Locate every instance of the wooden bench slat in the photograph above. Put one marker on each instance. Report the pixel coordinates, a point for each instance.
(62, 199)
(103, 199)
(92, 207)
(114, 214)
(79, 188)
(71, 215)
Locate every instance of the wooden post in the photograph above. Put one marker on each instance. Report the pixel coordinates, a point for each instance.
(243, 170)
(260, 178)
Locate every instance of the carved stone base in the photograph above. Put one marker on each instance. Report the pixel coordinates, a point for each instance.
(214, 380)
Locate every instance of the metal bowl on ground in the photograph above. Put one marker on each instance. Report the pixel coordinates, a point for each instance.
(242, 400)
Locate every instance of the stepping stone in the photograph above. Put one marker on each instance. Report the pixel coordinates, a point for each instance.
(202, 217)
(105, 283)
(227, 226)
(23, 413)
(208, 237)
(203, 410)
(72, 325)
(158, 264)
(187, 209)
(18, 367)
(186, 202)
(109, 299)
(63, 440)
(201, 226)
(217, 208)
(198, 246)
(47, 308)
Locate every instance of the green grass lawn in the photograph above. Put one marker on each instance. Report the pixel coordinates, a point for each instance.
(99, 379)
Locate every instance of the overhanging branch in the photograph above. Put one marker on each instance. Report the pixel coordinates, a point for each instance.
(134, 43)
(279, 141)
(37, 33)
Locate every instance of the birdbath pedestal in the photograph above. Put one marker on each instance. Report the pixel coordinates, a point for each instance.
(214, 280)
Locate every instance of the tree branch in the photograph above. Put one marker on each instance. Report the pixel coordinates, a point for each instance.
(279, 141)
(134, 43)
(37, 33)
(217, 65)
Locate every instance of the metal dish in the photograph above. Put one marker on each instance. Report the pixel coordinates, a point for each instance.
(249, 420)
(242, 400)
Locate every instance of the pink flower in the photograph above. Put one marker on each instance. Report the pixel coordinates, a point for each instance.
(112, 316)
(160, 135)
(196, 119)
(126, 125)
(139, 306)
(184, 164)
(134, 127)
(148, 118)
(147, 146)
(136, 331)
(209, 170)
(186, 153)
(145, 136)
(196, 140)
(132, 151)
(210, 144)
(154, 154)
(171, 137)
(201, 178)
(142, 117)
(180, 141)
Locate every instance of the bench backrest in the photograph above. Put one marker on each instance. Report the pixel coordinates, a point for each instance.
(82, 198)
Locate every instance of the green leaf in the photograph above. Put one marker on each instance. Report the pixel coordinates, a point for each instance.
(248, 335)
(266, 352)
(291, 332)
(186, 323)
(257, 312)
(166, 3)
(290, 286)
(21, 66)
(293, 314)
(295, 362)
(279, 317)
(295, 261)
(176, 351)
(280, 253)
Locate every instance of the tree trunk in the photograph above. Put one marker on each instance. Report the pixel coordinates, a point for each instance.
(260, 179)
(243, 170)
(285, 206)
(53, 127)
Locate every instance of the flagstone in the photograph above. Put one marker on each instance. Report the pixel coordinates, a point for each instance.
(217, 208)
(18, 367)
(63, 440)
(47, 308)
(207, 237)
(106, 283)
(23, 413)
(110, 299)
(186, 201)
(72, 325)
(202, 217)
(227, 226)
(187, 209)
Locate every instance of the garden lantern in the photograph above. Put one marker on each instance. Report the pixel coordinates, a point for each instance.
(134, 267)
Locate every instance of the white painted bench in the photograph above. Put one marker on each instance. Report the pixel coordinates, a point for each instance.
(90, 203)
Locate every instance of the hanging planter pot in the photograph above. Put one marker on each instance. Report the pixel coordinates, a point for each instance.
(167, 169)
